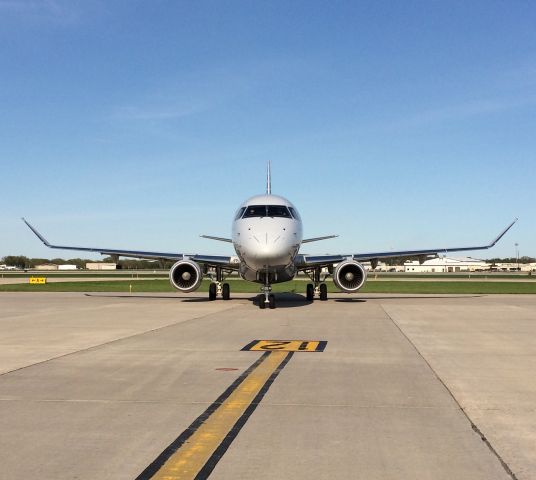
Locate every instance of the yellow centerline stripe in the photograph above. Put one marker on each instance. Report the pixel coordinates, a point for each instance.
(190, 458)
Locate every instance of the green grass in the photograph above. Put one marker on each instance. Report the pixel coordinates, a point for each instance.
(95, 274)
(298, 286)
(95, 286)
(474, 275)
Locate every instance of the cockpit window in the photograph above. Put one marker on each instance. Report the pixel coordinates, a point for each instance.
(267, 211)
(294, 213)
(255, 211)
(240, 213)
(277, 211)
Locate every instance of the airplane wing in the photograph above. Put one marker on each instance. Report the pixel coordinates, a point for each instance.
(213, 260)
(306, 261)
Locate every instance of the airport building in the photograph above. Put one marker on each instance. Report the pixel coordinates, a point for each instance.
(53, 266)
(383, 267)
(101, 266)
(446, 264)
(513, 267)
(46, 266)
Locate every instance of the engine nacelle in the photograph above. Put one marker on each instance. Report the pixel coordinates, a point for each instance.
(349, 276)
(186, 276)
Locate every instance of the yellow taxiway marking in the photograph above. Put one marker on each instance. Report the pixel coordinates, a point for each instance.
(192, 456)
(286, 346)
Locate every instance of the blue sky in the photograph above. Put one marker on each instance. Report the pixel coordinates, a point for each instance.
(142, 125)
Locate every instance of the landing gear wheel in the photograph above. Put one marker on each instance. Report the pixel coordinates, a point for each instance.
(272, 301)
(310, 292)
(225, 291)
(262, 305)
(323, 292)
(212, 291)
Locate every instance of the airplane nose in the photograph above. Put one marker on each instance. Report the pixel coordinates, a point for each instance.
(269, 249)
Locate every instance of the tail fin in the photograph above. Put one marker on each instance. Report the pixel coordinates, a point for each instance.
(269, 178)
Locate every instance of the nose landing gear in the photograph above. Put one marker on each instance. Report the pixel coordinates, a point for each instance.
(266, 298)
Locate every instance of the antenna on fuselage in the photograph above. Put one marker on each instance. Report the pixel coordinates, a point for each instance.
(269, 178)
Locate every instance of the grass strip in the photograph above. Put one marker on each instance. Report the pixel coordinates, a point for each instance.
(240, 286)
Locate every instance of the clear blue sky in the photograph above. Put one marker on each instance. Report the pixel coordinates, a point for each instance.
(141, 125)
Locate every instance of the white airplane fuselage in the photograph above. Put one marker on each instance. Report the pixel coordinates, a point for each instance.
(267, 235)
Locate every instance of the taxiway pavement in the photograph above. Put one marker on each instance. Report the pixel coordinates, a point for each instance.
(408, 387)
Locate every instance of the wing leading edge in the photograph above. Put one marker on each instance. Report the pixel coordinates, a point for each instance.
(310, 260)
(208, 259)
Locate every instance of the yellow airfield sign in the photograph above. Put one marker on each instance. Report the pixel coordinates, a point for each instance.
(38, 280)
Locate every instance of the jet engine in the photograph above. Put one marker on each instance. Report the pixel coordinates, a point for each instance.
(186, 276)
(349, 276)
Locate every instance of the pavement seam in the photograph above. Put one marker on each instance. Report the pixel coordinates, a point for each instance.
(474, 427)
(117, 340)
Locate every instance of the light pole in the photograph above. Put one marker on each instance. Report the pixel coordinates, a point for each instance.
(517, 255)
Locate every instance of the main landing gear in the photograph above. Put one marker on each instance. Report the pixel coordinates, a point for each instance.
(318, 288)
(217, 288)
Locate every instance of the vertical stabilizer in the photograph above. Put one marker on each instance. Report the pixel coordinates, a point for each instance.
(269, 179)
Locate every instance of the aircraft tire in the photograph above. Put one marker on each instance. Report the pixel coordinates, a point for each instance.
(272, 301)
(262, 305)
(226, 291)
(212, 291)
(310, 292)
(323, 292)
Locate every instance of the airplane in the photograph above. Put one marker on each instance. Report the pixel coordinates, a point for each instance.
(267, 238)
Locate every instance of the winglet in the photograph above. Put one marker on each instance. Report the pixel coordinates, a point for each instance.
(502, 233)
(43, 239)
(269, 178)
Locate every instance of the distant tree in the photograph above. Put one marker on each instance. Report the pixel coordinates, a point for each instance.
(19, 261)
(79, 262)
(38, 261)
(523, 259)
(139, 264)
(398, 260)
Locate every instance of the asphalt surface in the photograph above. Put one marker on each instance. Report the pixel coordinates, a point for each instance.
(97, 386)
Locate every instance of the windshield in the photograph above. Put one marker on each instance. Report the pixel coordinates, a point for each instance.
(239, 213)
(267, 211)
(294, 213)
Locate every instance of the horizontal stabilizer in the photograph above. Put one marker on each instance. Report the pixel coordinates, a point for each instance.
(219, 239)
(316, 239)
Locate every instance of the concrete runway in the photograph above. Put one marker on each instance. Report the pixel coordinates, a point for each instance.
(408, 387)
